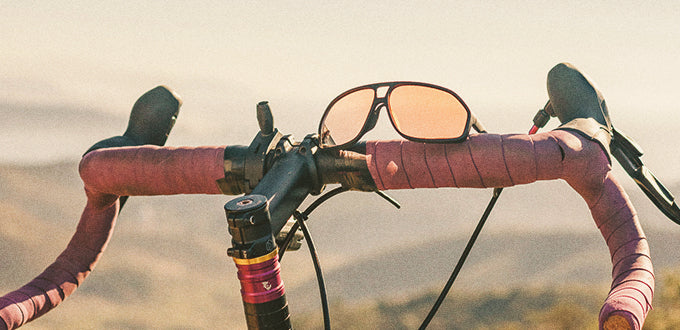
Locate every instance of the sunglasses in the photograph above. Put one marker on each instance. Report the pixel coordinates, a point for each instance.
(419, 112)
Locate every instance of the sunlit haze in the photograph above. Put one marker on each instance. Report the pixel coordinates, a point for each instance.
(224, 57)
(70, 72)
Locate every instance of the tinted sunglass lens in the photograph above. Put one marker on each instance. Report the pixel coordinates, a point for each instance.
(424, 112)
(345, 118)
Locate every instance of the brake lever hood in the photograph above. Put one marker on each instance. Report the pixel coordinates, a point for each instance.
(581, 107)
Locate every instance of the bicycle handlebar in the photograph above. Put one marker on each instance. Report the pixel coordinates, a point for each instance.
(485, 160)
(114, 168)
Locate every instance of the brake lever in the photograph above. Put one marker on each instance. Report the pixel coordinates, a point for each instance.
(627, 152)
(152, 117)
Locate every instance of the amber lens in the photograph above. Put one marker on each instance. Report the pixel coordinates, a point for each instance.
(424, 112)
(346, 117)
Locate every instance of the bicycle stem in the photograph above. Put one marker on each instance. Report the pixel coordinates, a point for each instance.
(277, 174)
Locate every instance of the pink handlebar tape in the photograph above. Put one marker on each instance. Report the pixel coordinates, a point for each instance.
(151, 170)
(108, 174)
(482, 161)
(490, 160)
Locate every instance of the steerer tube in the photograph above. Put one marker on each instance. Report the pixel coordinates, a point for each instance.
(256, 257)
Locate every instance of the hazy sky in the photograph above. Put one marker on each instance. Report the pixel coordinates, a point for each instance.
(225, 56)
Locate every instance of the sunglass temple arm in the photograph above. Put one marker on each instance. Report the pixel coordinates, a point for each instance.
(476, 124)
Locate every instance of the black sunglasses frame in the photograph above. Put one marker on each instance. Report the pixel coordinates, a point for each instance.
(382, 102)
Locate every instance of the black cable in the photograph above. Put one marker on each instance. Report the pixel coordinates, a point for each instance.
(317, 267)
(306, 213)
(461, 261)
(286, 241)
(322, 199)
(300, 223)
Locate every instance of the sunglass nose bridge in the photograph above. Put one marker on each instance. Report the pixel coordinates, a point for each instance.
(381, 92)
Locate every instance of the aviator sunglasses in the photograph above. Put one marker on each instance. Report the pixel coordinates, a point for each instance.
(419, 112)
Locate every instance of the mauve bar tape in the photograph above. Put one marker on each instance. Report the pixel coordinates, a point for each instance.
(490, 160)
(482, 161)
(151, 170)
(108, 174)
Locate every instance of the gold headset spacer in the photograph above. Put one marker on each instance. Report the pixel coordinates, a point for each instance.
(257, 260)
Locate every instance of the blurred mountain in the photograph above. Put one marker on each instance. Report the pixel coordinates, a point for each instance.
(168, 254)
(567, 306)
(52, 133)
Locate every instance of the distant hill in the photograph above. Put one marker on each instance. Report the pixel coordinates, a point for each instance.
(52, 133)
(564, 307)
(498, 262)
(168, 254)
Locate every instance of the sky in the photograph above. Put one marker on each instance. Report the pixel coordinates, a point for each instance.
(222, 57)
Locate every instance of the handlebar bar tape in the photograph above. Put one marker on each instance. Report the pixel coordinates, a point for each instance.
(71, 267)
(108, 174)
(490, 160)
(482, 161)
(151, 170)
